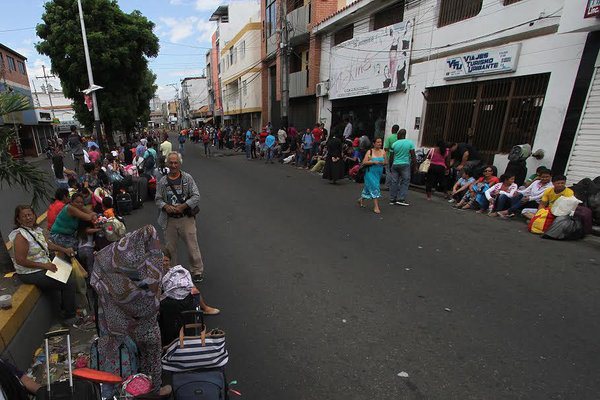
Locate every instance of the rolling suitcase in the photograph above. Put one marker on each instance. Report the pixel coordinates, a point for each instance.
(200, 385)
(142, 187)
(124, 203)
(73, 389)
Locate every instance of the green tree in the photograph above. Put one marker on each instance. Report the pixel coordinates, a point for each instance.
(15, 172)
(120, 45)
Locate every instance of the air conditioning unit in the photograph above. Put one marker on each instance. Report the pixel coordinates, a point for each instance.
(322, 89)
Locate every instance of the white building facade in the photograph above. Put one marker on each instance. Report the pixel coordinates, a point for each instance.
(239, 30)
(194, 96)
(493, 73)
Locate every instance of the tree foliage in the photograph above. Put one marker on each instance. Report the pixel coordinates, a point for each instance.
(120, 45)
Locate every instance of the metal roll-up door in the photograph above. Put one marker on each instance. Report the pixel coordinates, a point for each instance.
(584, 161)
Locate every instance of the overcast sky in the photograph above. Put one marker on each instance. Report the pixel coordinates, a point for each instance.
(181, 25)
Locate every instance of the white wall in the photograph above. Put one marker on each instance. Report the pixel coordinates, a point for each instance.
(251, 59)
(558, 54)
(240, 13)
(196, 92)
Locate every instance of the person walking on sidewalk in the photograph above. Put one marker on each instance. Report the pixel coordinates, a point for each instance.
(181, 139)
(403, 151)
(177, 198)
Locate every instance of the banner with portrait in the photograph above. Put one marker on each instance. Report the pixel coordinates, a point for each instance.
(372, 62)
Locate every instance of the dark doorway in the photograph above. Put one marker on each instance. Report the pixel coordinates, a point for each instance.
(366, 113)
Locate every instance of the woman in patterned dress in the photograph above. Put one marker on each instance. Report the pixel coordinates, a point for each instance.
(127, 277)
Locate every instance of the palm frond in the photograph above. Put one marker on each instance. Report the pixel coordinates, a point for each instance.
(18, 173)
(13, 102)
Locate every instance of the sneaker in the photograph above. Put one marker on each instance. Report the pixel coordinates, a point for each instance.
(198, 278)
(392, 202)
(402, 203)
(451, 201)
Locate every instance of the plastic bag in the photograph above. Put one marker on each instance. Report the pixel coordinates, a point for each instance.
(541, 222)
(564, 206)
(565, 228)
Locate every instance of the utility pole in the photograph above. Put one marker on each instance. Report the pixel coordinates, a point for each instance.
(285, 79)
(45, 78)
(92, 87)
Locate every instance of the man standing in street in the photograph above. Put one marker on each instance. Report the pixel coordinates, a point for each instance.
(248, 144)
(403, 151)
(347, 129)
(387, 145)
(269, 146)
(165, 148)
(177, 198)
(281, 137)
(76, 150)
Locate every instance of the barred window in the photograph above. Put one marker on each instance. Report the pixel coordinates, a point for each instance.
(452, 11)
(492, 115)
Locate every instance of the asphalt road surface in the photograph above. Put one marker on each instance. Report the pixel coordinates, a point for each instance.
(323, 300)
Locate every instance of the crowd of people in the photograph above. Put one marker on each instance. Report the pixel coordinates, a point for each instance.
(131, 283)
(456, 170)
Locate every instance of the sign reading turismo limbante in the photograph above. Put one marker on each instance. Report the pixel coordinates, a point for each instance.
(485, 62)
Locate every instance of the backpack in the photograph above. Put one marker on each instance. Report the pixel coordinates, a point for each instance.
(149, 162)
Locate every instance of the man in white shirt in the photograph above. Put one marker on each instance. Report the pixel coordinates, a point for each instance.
(530, 197)
(281, 136)
(347, 129)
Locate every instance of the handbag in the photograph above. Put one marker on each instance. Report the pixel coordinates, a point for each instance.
(190, 212)
(426, 164)
(201, 351)
(541, 222)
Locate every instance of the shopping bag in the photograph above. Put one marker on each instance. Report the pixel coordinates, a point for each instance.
(541, 221)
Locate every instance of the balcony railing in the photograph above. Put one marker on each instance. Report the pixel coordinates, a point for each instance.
(299, 19)
(298, 83)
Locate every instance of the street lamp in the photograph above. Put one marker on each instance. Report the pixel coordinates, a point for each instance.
(93, 88)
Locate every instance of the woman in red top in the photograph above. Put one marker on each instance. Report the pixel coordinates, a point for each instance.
(61, 199)
(439, 157)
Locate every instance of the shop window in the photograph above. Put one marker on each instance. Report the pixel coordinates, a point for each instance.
(270, 17)
(492, 115)
(452, 11)
(509, 2)
(389, 16)
(11, 63)
(343, 35)
(21, 66)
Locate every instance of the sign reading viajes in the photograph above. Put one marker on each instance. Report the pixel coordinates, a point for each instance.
(372, 62)
(484, 62)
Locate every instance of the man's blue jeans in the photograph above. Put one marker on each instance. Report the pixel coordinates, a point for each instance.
(400, 181)
(269, 153)
(248, 150)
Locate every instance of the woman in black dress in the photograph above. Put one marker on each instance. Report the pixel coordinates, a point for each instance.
(334, 165)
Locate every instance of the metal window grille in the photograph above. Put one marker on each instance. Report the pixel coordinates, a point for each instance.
(452, 11)
(492, 115)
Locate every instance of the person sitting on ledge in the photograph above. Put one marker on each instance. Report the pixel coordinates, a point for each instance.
(32, 260)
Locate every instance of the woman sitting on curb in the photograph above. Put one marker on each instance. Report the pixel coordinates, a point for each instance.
(32, 260)
(507, 187)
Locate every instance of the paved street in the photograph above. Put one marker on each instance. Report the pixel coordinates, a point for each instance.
(323, 300)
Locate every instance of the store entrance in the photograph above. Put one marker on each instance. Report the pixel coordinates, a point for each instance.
(366, 113)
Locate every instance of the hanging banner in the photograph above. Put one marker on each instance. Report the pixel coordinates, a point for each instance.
(484, 62)
(372, 62)
(592, 9)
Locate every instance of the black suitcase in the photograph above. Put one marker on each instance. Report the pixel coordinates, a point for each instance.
(124, 203)
(73, 389)
(141, 183)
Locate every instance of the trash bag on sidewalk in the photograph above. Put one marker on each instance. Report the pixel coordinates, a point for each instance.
(565, 228)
